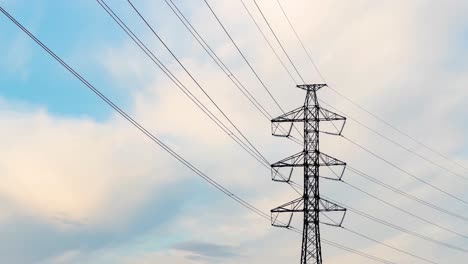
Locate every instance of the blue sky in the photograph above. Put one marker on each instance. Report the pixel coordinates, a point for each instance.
(76, 31)
(31, 82)
(82, 186)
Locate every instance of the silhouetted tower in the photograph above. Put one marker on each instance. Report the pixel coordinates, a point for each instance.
(311, 159)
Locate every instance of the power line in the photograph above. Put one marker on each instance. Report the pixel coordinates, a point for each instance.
(378, 118)
(405, 194)
(405, 171)
(399, 130)
(292, 207)
(195, 81)
(420, 156)
(351, 250)
(396, 207)
(284, 51)
(159, 142)
(200, 40)
(392, 225)
(393, 206)
(135, 123)
(179, 84)
(311, 60)
(380, 242)
(399, 228)
(191, 76)
(245, 59)
(405, 211)
(389, 246)
(277, 39)
(361, 107)
(243, 56)
(268, 42)
(402, 170)
(300, 41)
(396, 143)
(356, 252)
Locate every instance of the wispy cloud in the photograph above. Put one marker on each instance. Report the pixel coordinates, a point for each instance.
(207, 251)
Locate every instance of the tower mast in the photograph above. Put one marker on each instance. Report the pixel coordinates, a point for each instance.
(310, 159)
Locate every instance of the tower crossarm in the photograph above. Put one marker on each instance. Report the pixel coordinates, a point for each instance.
(295, 206)
(327, 115)
(296, 160)
(327, 207)
(296, 115)
(328, 161)
(282, 170)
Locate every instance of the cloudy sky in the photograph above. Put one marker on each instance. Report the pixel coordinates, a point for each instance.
(79, 184)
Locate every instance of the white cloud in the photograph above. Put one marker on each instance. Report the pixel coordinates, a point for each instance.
(76, 169)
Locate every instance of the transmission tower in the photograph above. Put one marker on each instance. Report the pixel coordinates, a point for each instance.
(310, 159)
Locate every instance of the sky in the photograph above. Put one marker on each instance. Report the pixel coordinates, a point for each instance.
(79, 184)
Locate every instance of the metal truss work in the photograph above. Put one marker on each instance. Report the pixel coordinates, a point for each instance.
(310, 159)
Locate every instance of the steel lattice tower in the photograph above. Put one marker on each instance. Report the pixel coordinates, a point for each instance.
(310, 159)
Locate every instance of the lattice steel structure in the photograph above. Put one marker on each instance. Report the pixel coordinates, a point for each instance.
(310, 159)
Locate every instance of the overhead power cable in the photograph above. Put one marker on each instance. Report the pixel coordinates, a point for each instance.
(396, 207)
(405, 211)
(383, 222)
(356, 252)
(356, 144)
(160, 143)
(195, 80)
(191, 76)
(391, 205)
(389, 246)
(398, 228)
(243, 56)
(278, 40)
(268, 42)
(350, 250)
(417, 141)
(392, 141)
(406, 172)
(380, 242)
(405, 194)
(299, 39)
(200, 40)
(264, 17)
(246, 61)
(180, 85)
(402, 170)
(136, 124)
(395, 142)
(353, 251)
